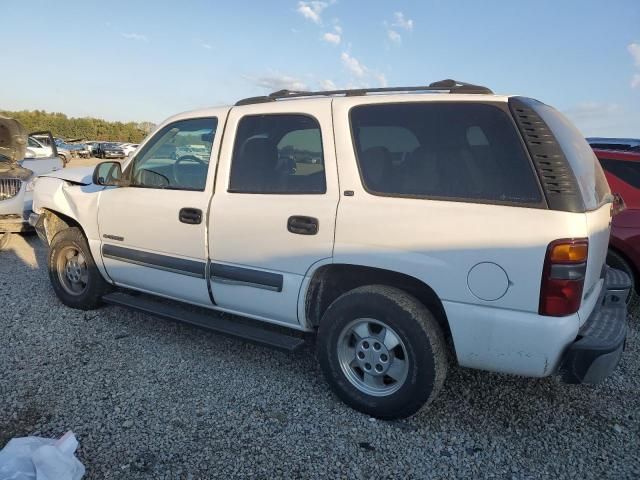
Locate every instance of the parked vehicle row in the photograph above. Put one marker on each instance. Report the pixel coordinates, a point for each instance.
(108, 150)
(397, 227)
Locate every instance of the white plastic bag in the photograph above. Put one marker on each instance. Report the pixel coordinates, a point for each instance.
(34, 458)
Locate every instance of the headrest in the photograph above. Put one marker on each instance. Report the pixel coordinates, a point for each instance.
(375, 163)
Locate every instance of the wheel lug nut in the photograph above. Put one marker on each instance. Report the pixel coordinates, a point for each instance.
(383, 358)
(365, 345)
(376, 346)
(361, 355)
(378, 368)
(367, 366)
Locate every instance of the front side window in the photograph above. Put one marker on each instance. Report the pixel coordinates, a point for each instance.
(278, 153)
(177, 157)
(442, 150)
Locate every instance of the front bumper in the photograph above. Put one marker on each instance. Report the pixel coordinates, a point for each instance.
(14, 223)
(598, 348)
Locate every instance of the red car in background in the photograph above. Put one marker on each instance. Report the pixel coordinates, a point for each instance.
(622, 170)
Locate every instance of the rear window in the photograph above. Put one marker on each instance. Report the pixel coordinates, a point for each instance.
(443, 150)
(586, 168)
(628, 172)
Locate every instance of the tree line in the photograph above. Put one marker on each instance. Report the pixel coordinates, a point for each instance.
(81, 128)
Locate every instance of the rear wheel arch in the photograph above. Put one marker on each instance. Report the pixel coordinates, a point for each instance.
(329, 282)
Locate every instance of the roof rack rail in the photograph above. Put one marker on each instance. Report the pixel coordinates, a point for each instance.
(452, 86)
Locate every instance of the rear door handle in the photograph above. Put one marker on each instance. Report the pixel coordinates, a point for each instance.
(191, 216)
(302, 225)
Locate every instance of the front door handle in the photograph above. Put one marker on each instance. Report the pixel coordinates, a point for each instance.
(191, 216)
(302, 225)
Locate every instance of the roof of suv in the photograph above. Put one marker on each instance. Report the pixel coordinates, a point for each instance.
(445, 90)
(448, 85)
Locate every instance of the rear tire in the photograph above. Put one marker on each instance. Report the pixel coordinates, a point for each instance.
(5, 238)
(615, 260)
(73, 272)
(382, 351)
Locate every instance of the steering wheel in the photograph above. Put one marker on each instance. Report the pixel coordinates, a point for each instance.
(186, 158)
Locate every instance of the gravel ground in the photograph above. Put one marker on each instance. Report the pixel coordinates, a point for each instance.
(153, 399)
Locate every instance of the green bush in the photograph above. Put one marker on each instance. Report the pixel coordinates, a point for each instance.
(81, 128)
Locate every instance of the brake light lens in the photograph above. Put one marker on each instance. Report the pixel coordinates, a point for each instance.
(565, 266)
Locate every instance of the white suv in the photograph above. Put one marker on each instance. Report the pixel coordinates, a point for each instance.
(399, 225)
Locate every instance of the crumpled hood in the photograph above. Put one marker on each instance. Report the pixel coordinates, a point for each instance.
(79, 175)
(14, 170)
(13, 140)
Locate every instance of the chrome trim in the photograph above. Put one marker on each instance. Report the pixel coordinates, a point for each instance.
(150, 265)
(167, 263)
(242, 283)
(9, 188)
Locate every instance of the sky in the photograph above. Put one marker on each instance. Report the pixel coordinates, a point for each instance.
(145, 61)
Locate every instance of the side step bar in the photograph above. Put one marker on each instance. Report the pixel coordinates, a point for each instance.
(252, 333)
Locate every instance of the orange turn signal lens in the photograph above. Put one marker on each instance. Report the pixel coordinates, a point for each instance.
(569, 251)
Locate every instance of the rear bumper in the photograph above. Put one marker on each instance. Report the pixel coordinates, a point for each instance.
(598, 348)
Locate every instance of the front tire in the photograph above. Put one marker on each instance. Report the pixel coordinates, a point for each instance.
(382, 351)
(73, 273)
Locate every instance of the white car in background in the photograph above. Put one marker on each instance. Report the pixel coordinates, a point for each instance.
(129, 148)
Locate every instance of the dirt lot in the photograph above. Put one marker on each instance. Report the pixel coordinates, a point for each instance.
(153, 399)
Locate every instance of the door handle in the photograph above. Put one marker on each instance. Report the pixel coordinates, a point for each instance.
(191, 216)
(302, 225)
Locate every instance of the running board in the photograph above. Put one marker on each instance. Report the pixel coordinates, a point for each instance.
(252, 333)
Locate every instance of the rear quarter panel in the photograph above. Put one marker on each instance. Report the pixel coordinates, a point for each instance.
(439, 242)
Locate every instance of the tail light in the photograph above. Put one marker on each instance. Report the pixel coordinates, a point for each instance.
(563, 275)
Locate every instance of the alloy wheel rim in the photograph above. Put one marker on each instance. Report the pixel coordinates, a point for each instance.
(72, 270)
(373, 357)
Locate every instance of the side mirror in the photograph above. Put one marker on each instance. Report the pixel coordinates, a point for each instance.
(108, 174)
(29, 153)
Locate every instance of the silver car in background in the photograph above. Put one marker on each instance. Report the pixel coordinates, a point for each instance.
(19, 167)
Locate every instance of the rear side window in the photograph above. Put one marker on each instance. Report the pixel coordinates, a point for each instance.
(443, 150)
(586, 168)
(278, 154)
(628, 172)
